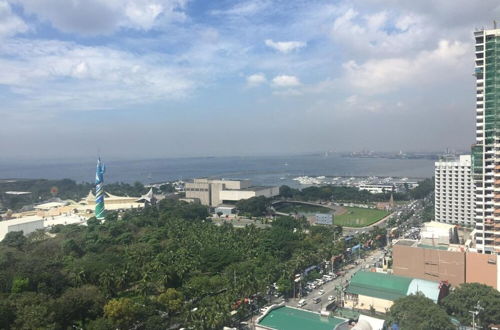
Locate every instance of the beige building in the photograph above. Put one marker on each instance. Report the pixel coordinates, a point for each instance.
(216, 192)
(451, 263)
(435, 263)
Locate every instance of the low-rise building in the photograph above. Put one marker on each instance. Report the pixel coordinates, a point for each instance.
(431, 262)
(378, 291)
(453, 263)
(281, 317)
(437, 233)
(323, 219)
(225, 210)
(377, 188)
(214, 192)
(27, 225)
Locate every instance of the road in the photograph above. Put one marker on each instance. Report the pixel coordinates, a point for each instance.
(329, 287)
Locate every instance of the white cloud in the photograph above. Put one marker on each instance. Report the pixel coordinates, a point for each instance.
(256, 79)
(285, 46)
(285, 81)
(371, 35)
(63, 75)
(426, 68)
(10, 24)
(92, 17)
(247, 8)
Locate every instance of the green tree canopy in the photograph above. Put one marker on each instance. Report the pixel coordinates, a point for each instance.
(15, 239)
(416, 312)
(465, 298)
(255, 206)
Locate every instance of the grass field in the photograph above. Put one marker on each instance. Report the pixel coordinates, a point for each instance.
(359, 217)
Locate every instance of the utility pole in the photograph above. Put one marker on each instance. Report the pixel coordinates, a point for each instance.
(474, 313)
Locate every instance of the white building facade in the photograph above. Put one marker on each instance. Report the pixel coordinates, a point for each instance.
(214, 192)
(454, 191)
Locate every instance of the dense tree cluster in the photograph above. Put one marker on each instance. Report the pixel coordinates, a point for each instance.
(255, 206)
(151, 269)
(337, 194)
(424, 188)
(417, 312)
(466, 297)
(353, 194)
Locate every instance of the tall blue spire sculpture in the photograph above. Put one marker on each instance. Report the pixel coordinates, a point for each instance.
(100, 212)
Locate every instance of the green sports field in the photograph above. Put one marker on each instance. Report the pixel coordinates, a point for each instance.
(359, 217)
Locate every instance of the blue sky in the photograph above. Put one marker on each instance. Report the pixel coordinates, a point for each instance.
(167, 78)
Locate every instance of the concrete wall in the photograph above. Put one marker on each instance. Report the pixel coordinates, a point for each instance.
(199, 190)
(364, 302)
(482, 268)
(236, 195)
(429, 264)
(26, 226)
(268, 192)
(234, 184)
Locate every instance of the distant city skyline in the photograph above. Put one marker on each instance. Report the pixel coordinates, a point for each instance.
(181, 78)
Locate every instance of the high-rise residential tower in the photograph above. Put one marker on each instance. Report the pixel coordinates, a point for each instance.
(454, 191)
(486, 151)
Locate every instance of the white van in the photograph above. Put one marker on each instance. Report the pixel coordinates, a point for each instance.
(301, 303)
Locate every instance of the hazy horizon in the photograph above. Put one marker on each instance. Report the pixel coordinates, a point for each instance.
(69, 160)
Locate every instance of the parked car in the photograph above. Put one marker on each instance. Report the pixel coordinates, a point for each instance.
(316, 300)
(321, 292)
(301, 303)
(331, 298)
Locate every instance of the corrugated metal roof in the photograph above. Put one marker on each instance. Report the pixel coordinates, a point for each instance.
(428, 288)
(379, 285)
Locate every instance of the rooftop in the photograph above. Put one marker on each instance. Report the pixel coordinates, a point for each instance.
(406, 242)
(434, 247)
(435, 224)
(379, 285)
(253, 188)
(287, 318)
(390, 287)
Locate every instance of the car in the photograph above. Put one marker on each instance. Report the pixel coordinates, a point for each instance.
(263, 309)
(317, 300)
(321, 292)
(301, 303)
(331, 298)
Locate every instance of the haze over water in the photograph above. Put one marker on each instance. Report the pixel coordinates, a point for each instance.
(264, 170)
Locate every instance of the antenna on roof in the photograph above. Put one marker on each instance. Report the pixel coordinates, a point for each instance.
(494, 24)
